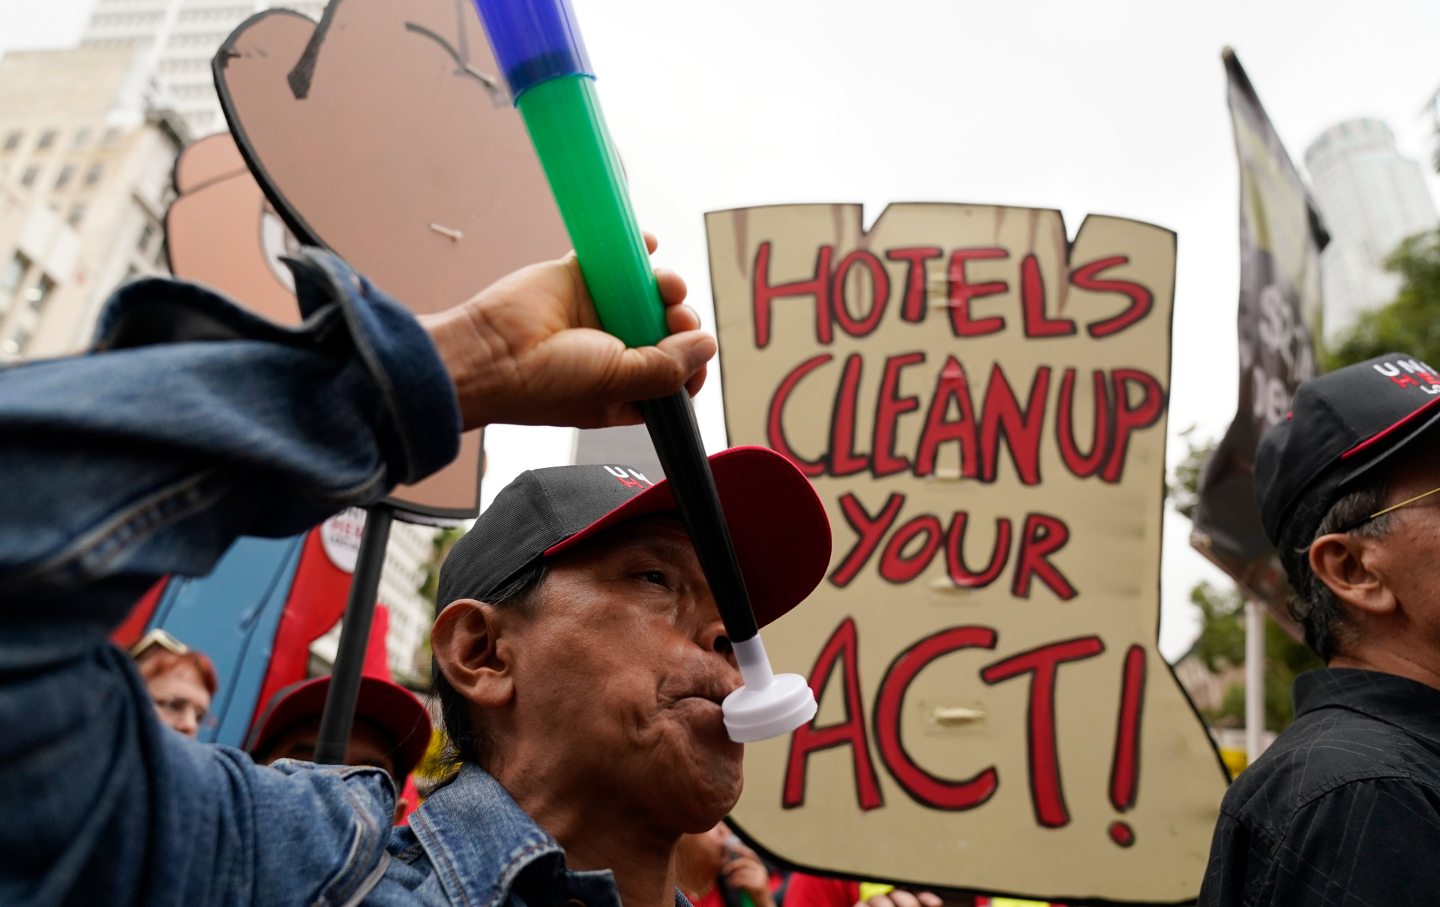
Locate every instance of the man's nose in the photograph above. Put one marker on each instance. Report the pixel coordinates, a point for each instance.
(714, 638)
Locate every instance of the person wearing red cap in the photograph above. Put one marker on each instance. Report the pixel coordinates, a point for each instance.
(391, 729)
(1344, 808)
(581, 663)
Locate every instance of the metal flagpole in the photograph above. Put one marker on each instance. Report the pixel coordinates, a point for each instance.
(1254, 680)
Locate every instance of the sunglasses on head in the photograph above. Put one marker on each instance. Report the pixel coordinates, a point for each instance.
(160, 638)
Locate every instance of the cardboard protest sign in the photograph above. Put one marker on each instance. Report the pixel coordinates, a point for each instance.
(384, 132)
(981, 405)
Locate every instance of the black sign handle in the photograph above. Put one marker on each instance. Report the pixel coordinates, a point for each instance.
(339, 715)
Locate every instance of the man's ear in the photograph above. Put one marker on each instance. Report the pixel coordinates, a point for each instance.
(1346, 564)
(466, 642)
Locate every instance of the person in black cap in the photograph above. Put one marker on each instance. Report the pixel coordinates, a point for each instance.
(1344, 808)
(580, 667)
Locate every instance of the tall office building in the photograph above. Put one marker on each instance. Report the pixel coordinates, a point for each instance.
(628, 445)
(1372, 198)
(87, 151)
(406, 557)
(175, 41)
(85, 161)
(409, 553)
(1433, 105)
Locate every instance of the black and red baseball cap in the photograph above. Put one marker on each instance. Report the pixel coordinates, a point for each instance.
(776, 520)
(1342, 425)
(387, 705)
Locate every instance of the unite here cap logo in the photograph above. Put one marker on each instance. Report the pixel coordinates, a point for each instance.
(1410, 373)
(628, 477)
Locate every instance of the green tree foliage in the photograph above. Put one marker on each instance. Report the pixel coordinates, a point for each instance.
(429, 588)
(1184, 486)
(1221, 643)
(1410, 324)
(1221, 647)
(444, 540)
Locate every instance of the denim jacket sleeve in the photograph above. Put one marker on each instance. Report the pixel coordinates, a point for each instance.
(196, 422)
(192, 423)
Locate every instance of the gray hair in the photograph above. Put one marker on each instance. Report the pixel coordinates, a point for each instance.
(1312, 602)
(466, 740)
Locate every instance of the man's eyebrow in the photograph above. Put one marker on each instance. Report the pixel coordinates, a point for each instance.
(666, 546)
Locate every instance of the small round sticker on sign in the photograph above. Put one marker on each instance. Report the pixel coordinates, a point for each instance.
(340, 537)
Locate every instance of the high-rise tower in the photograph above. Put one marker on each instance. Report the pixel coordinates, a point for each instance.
(1372, 197)
(176, 39)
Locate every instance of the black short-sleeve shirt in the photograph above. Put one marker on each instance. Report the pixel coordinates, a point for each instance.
(1344, 808)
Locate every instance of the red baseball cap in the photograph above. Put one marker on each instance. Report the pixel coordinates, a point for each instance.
(388, 706)
(1342, 427)
(777, 523)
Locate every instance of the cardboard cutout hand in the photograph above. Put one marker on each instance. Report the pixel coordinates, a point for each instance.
(383, 133)
(222, 232)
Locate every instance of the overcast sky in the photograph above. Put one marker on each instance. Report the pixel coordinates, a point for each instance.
(1113, 107)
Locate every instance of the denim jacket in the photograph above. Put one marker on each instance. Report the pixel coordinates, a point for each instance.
(471, 844)
(194, 422)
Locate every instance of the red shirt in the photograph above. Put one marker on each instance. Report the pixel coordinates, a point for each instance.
(814, 891)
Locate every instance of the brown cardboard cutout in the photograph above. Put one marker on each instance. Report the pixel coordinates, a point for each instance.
(221, 231)
(981, 405)
(384, 133)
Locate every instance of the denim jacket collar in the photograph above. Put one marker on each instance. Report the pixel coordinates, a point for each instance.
(480, 842)
(478, 839)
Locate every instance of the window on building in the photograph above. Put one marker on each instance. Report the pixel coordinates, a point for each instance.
(111, 136)
(66, 174)
(11, 278)
(146, 234)
(76, 215)
(47, 138)
(39, 294)
(12, 140)
(92, 176)
(82, 138)
(30, 175)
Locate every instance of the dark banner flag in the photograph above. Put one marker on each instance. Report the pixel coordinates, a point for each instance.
(1281, 236)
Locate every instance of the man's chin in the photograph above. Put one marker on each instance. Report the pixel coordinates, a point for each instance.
(699, 784)
(709, 803)
(719, 769)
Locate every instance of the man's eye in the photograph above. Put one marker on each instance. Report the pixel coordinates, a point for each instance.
(657, 577)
